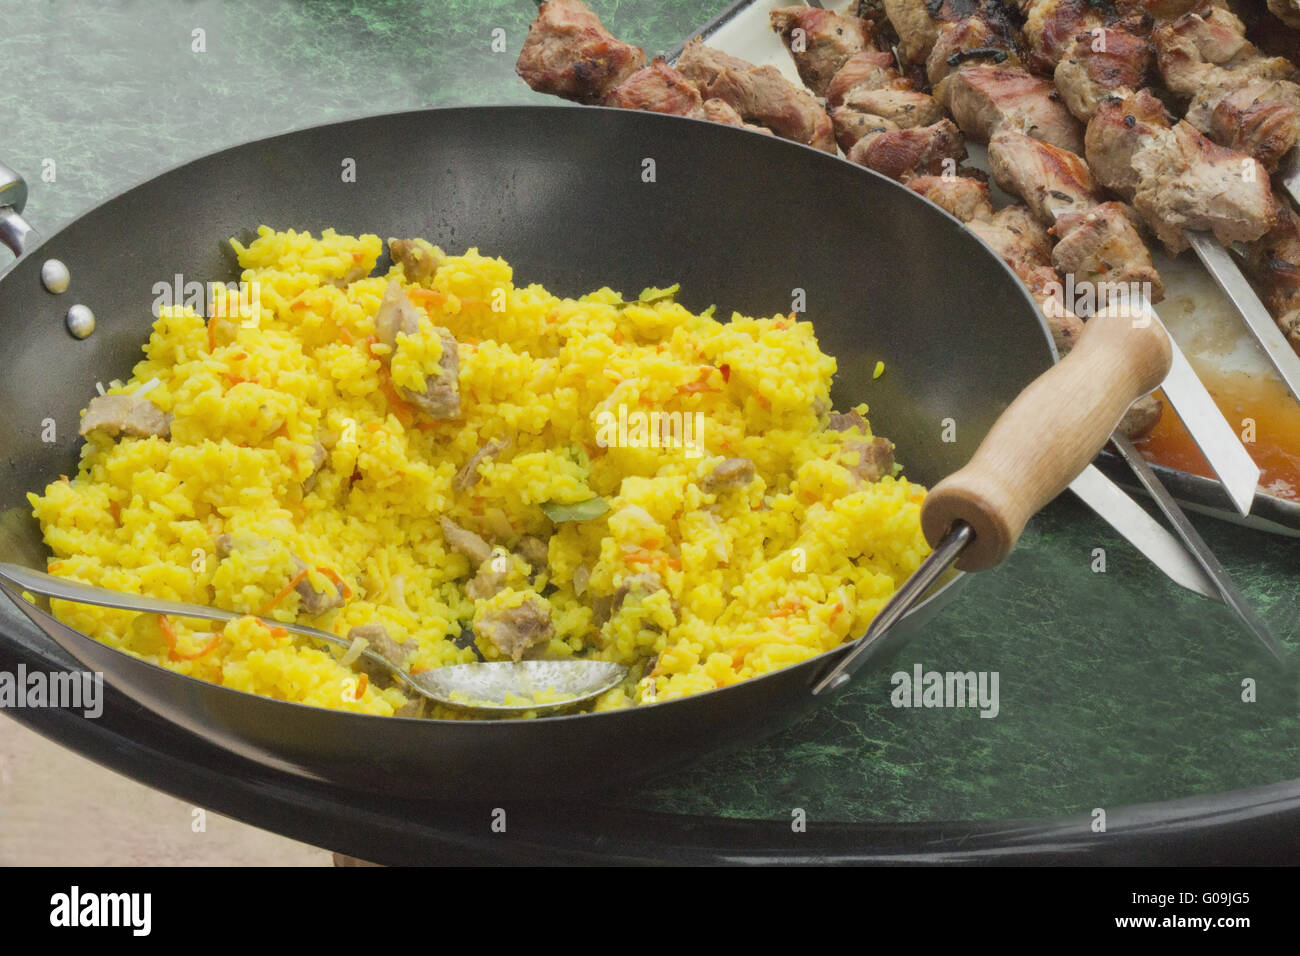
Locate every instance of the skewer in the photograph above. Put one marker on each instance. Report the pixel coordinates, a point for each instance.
(1223, 268)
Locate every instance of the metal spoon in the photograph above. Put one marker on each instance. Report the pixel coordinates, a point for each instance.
(501, 688)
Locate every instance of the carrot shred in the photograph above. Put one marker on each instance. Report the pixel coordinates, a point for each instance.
(337, 578)
(346, 336)
(115, 510)
(212, 333)
(169, 635)
(429, 296)
(284, 593)
(361, 686)
(765, 402)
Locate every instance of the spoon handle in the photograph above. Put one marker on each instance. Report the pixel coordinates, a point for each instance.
(38, 582)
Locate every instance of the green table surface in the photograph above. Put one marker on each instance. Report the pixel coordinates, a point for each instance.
(1115, 687)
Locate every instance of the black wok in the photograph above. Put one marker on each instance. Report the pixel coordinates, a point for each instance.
(740, 220)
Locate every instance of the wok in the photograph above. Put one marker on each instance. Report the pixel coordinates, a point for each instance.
(740, 220)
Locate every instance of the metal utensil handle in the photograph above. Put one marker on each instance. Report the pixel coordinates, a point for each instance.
(15, 231)
(38, 582)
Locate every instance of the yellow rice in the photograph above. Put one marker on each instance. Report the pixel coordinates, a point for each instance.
(757, 578)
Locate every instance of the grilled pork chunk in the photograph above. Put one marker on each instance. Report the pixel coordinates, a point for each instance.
(1052, 25)
(1118, 130)
(902, 153)
(1051, 181)
(819, 41)
(983, 98)
(1273, 262)
(657, 88)
(1288, 11)
(569, 52)
(760, 94)
(1102, 246)
(962, 197)
(987, 36)
(1085, 74)
(1187, 182)
(868, 70)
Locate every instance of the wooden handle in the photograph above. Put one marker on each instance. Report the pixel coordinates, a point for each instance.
(1049, 434)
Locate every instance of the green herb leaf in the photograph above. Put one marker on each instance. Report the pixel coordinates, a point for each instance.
(587, 510)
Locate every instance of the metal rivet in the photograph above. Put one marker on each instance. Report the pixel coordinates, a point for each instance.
(55, 276)
(81, 321)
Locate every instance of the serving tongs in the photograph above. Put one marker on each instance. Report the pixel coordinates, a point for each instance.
(501, 688)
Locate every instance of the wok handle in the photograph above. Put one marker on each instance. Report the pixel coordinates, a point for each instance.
(1049, 434)
(14, 229)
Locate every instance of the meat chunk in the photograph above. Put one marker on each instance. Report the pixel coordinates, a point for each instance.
(852, 126)
(1187, 182)
(1259, 117)
(917, 29)
(311, 601)
(868, 70)
(979, 38)
(514, 630)
(468, 475)
(720, 111)
(847, 421)
(133, 416)
(569, 52)
(1209, 36)
(922, 151)
(535, 551)
(1120, 128)
(1051, 181)
(490, 577)
(318, 459)
(960, 196)
(983, 98)
(377, 640)
(1141, 418)
(1102, 247)
(658, 88)
(760, 94)
(825, 41)
(1051, 25)
(641, 585)
(1086, 75)
(1288, 11)
(441, 396)
(875, 458)
(418, 258)
(727, 474)
(1273, 263)
(903, 108)
(1024, 245)
(471, 545)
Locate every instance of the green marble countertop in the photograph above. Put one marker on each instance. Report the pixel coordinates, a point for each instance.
(1114, 688)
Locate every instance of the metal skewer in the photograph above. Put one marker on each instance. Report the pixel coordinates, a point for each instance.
(1232, 596)
(1227, 274)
